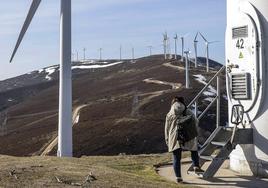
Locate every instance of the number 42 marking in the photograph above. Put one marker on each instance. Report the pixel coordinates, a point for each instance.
(240, 44)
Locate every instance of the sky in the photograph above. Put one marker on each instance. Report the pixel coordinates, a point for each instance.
(107, 24)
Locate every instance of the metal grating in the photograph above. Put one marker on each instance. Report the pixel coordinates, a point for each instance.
(240, 86)
(240, 32)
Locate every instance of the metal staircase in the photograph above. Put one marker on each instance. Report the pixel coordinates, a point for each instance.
(218, 147)
(223, 140)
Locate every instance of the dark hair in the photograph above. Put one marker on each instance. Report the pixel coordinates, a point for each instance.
(181, 100)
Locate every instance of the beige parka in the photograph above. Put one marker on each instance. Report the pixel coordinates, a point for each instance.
(171, 133)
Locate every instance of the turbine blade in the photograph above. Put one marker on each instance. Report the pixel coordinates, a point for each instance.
(195, 39)
(216, 41)
(34, 6)
(203, 37)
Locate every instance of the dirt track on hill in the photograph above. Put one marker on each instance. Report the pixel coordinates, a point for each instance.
(76, 112)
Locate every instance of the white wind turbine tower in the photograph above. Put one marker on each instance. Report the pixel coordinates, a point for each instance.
(120, 52)
(84, 49)
(150, 50)
(207, 43)
(195, 48)
(65, 145)
(100, 53)
(187, 79)
(169, 49)
(176, 40)
(77, 56)
(133, 54)
(182, 46)
(73, 56)
(165, 36)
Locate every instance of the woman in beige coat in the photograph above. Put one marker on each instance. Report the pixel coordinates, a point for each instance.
(179, 112)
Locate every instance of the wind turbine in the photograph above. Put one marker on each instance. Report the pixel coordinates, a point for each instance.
(150, 50)
(120, 52)
(65, 144)
(195, 48)
(84, 53)
(176, 40)
(207, 43)
(100, 53)
(165, 36)
(187, 80)
(73, 56)
(169, 49)
(182, 45)
(77, 56)
(133, 54)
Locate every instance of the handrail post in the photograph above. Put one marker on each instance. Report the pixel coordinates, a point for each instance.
(195, 109)
(218, 102)
(187, 80)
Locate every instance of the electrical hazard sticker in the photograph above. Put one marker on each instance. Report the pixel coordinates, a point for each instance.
(241, 56)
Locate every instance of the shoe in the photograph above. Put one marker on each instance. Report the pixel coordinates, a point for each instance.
(179, 180)
(198, 170)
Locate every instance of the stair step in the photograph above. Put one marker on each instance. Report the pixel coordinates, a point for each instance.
(211, 158)
(228, 128)
(206, 157)
(218, 143)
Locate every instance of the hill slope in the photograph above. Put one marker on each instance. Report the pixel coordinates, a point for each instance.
(122, 107)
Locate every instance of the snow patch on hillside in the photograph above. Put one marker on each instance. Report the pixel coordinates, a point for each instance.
(85, 66)
(211, 92)
(50, 71)
(200, 78)
(86, 62)
(173, 85)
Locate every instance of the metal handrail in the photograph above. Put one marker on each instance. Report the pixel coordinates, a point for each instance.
(208, 107)
(217, 98)
(208, 84)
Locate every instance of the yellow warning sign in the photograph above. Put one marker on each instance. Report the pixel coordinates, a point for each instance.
(241, 56)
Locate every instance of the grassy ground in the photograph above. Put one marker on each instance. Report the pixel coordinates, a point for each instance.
(112, 172)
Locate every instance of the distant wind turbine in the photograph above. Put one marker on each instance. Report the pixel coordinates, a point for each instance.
(73, 56)
(182, 45)
(133, 54)
(176, 40)
(150, 50)
(165, 40)
(187, 79)
(77, 56)
(100, 49)
(65, 145)
(169, 49)
(207, 43)
(84, 53)
(195, 48)
(120, 52)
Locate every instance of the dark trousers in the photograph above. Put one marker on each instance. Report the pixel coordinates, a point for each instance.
(177, 161)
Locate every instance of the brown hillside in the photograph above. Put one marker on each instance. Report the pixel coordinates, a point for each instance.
(122, 112)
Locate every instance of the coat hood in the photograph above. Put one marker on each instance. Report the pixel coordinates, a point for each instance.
(177, 109)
